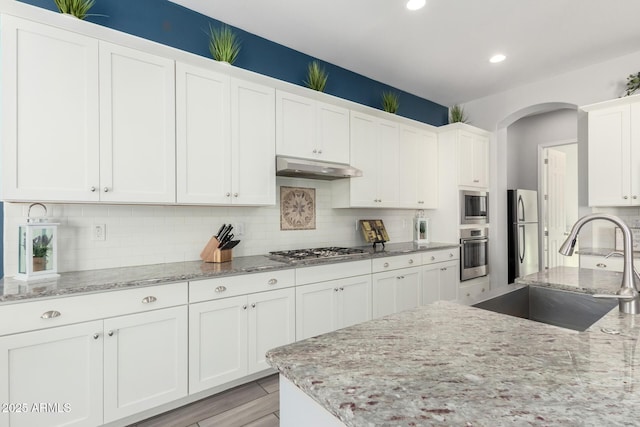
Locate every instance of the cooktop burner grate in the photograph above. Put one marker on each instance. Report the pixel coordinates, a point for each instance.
(313, 253)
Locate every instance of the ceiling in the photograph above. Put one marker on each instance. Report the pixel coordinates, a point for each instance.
(442, 51)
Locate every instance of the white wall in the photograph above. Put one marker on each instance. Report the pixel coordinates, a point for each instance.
(527, 134)
(139, 235)
(598, 82)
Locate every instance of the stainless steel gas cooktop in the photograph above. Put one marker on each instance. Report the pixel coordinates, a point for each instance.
(314, 253)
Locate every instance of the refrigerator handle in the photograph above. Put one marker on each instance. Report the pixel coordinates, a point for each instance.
(520, 212)
(522, 247)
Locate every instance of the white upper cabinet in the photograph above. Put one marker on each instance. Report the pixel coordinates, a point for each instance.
(418, 169)
(253, 165)
(614, 152)
(311, 129)
(97, 125)
(472, 152)
(137, 126)
(50, 132)
(374, 150)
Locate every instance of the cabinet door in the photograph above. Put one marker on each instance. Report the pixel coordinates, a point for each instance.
(440, 282)
(50, 131)
(428, 173)
(137, 126)
(145, 361)
(473, 164)
(60, 368)
(388, 167)
(408, 289)
(217, 342)
(332, 133)
(384, 294)
(272, 323)
(609, 150)
(634, 155)
(364, 156)
(253, 148)
(449, 279)
(430, 283)
(295, 125)
(316, 309)
(203, 145)
(354, 300)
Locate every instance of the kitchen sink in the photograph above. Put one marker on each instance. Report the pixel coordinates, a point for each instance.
(570, 310)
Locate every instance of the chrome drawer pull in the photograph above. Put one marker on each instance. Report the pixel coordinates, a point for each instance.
(386, 264)
(410, 261)
(601, 265)
(149, 299)
(96, 336)
(433, 258)
(50, 314)
(272, 281)
(110, 333)
(221, 289)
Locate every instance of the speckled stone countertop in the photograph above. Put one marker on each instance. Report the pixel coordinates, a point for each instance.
(576, 280)
(601, 252)
(12, 290)
(452, 365)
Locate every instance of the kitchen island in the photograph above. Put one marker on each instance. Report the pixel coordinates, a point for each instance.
(449, 364)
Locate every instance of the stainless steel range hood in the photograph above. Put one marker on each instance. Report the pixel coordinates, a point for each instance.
(302, 168)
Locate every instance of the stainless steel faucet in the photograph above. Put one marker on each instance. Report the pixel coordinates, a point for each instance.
(628, 296)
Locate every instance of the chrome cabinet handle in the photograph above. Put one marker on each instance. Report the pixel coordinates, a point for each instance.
(386, 264)
(335, 289)
(319, 151)
(400, 277)
(433, 258)
(235, 194)
(96, 336)
(625, 197)
(635, 197)
(93, 189)
(110, 333)
(149, 299)
(221, 289)
(50, 314)
(272, 281)
(443, 269)
(476, 180)
(411, 261)
(106, 189)
(420, 202)
(342, 289)
(315, 151)
(468, 294)
(450, 255)
(482, 289)
(228, 194)
(601, 265)
(253, 305)
(244, 307)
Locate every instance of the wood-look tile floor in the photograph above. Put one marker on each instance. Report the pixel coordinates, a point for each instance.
(255, 404)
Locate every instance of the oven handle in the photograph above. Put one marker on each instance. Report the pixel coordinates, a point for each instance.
(483, 240)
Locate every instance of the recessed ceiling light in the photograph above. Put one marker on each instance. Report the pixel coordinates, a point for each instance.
(416, 4)
(497, 58)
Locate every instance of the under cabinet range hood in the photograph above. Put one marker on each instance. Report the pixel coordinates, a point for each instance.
(303, 168)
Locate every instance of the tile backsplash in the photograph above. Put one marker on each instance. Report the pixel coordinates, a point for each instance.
(141, 234)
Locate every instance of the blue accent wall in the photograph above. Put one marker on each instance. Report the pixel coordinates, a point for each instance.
(173, 25)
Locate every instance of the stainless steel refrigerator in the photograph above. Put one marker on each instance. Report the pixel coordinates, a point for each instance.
(522, 220)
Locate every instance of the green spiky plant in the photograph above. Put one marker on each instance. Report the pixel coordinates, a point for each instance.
(223, 44)
(390, 102)
(316, 77)
(77, 8)
(457, 115)
(633, 84)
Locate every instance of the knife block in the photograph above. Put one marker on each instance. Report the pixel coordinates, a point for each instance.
(211, 253)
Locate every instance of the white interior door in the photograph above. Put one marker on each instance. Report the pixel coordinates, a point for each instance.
(555, 209)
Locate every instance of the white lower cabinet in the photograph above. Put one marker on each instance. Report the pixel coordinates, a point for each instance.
(440, 282)
(145, 361)
(229, 337)
(60, 367)
(396, 291)
(327, 306)
(95, 372)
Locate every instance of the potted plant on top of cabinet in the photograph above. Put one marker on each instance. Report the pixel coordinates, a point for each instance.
(316, 77)
(390, 102)
(223, 44)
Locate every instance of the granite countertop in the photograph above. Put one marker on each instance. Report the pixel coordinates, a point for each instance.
(448, 364)
(601, 252)
(12, 290)
(574, 279)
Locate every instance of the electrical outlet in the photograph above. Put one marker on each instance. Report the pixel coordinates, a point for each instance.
(99, 232)
(238, 229)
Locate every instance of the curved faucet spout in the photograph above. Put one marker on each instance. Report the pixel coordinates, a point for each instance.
(629, 301)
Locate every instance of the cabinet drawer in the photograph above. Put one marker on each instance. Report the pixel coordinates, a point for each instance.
(323, 273)
(440, 255)
(595, 262)
(395, 262)
(223, 287)
(28, 316)
(472, 293)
